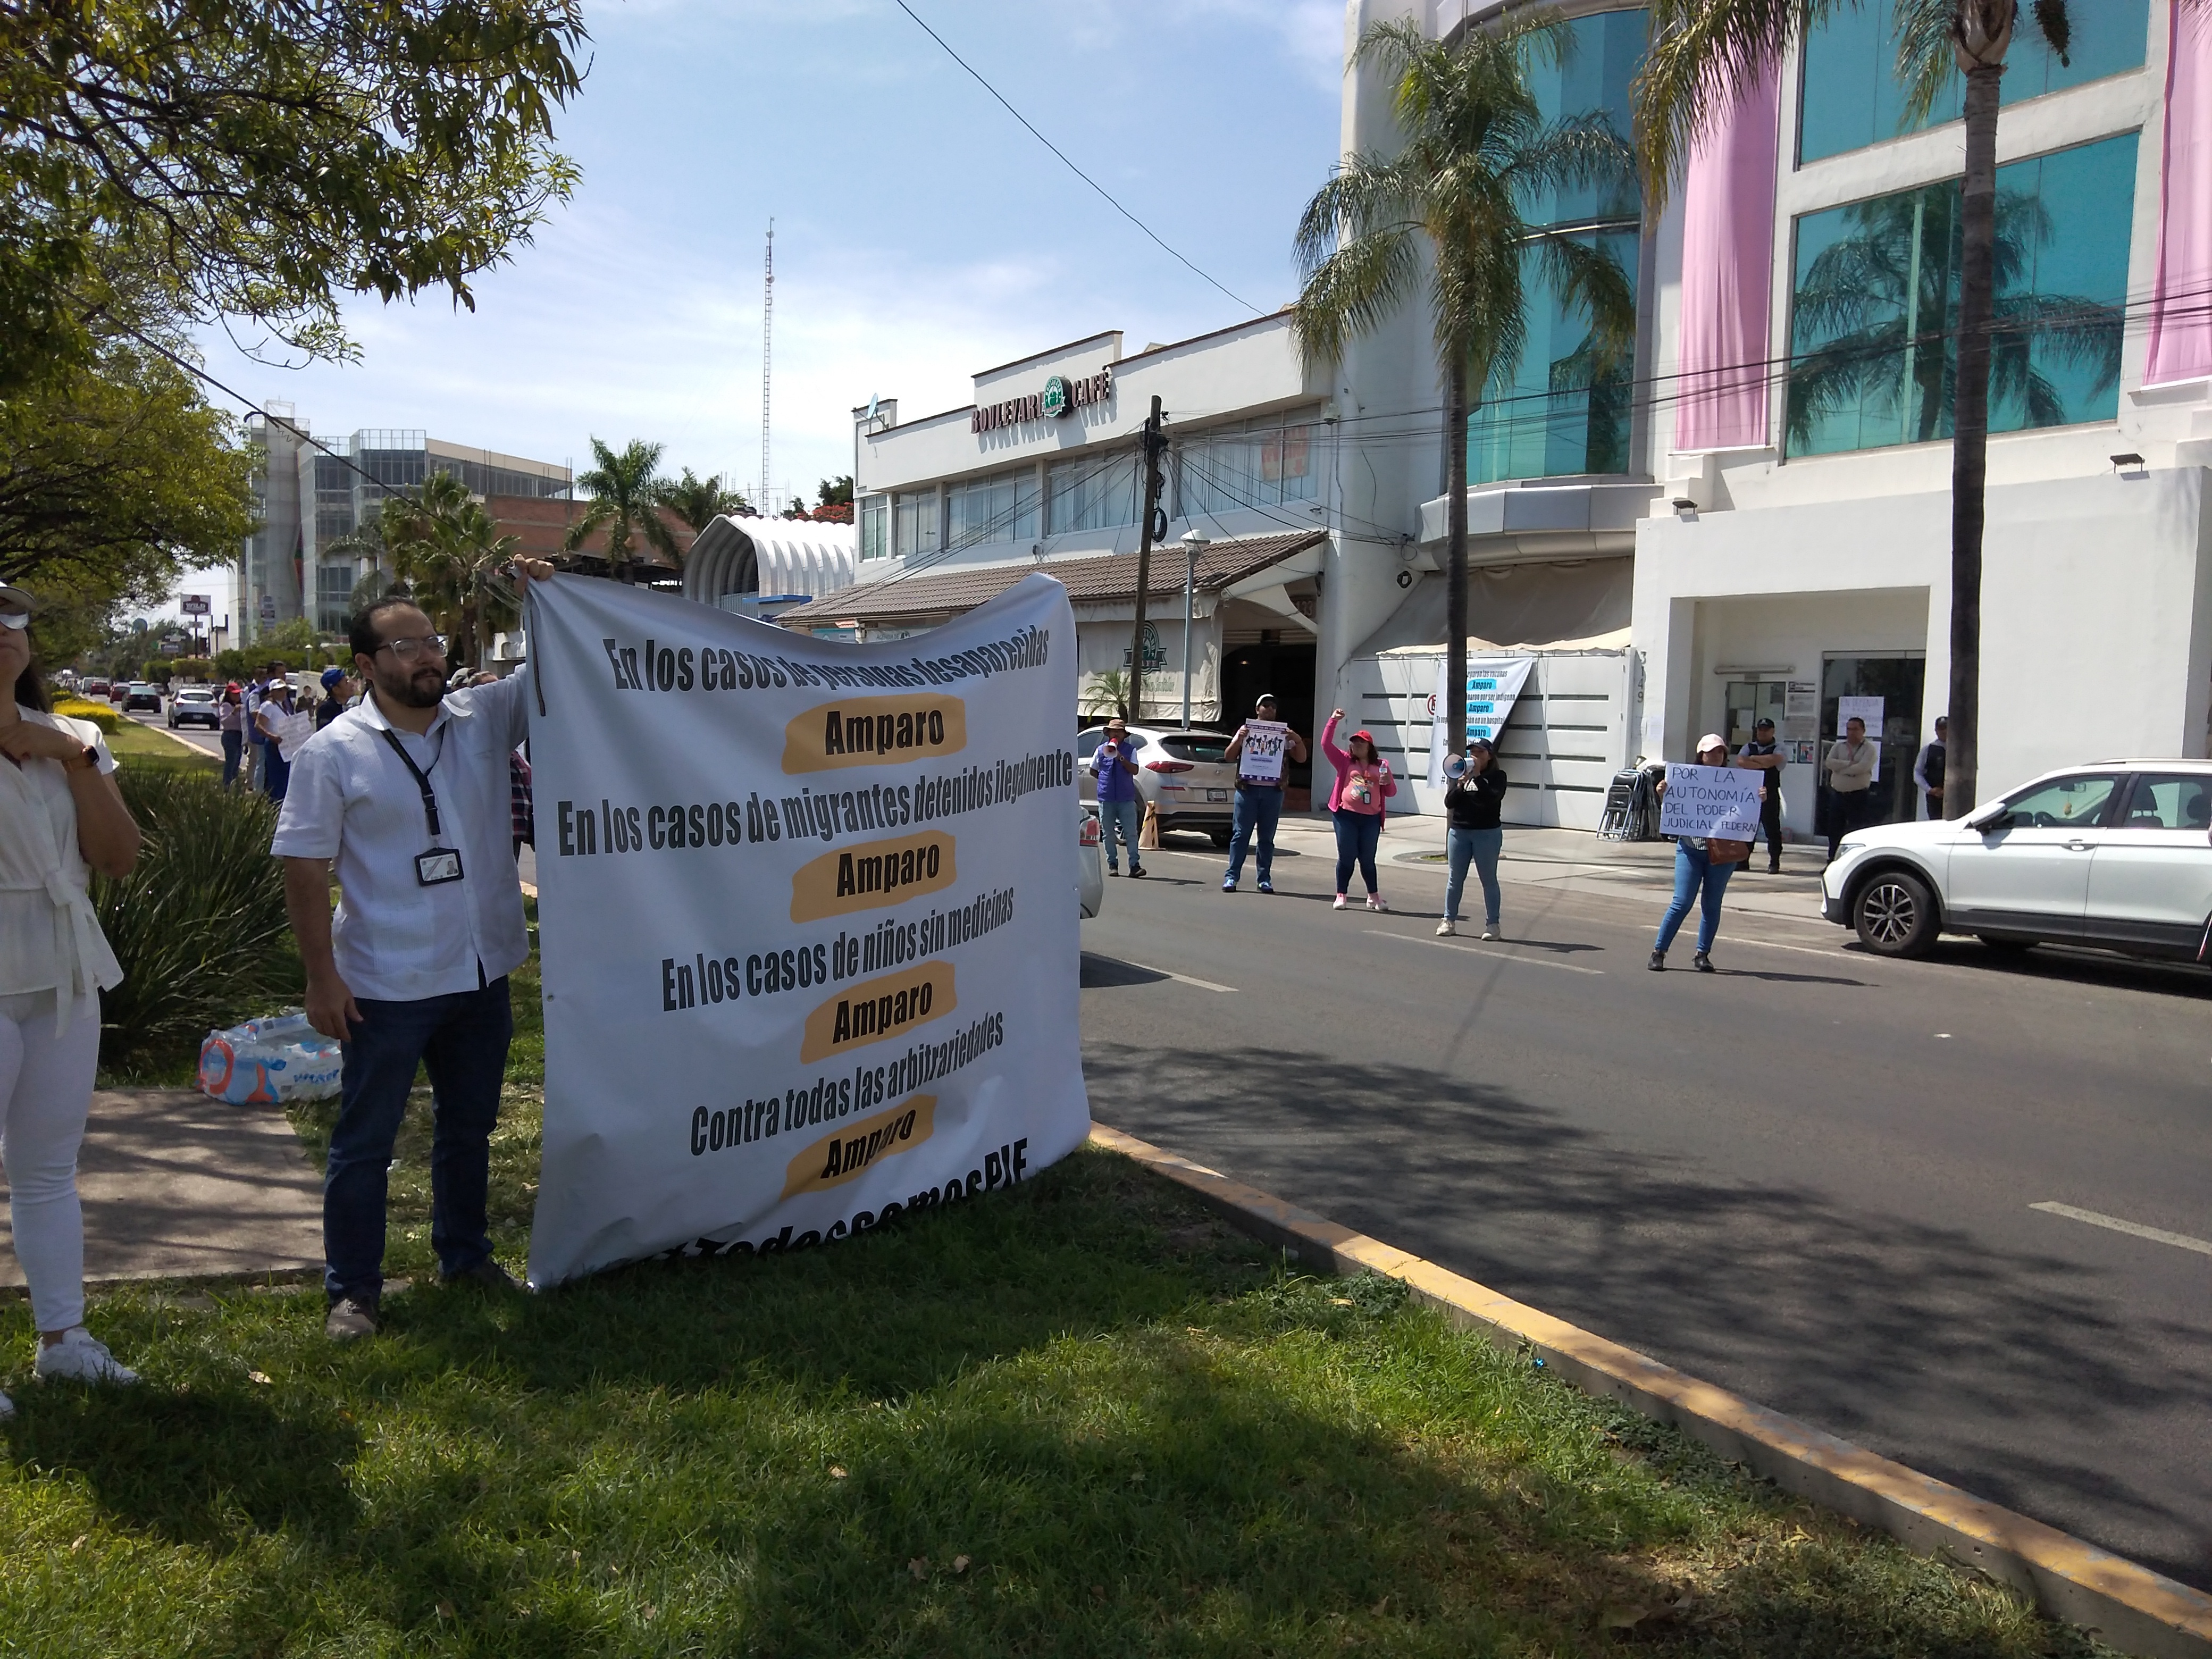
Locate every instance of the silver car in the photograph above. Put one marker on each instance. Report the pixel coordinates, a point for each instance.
(2118, 854)
(1183, 772)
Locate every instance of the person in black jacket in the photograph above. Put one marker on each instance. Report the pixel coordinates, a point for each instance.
(1473, 801)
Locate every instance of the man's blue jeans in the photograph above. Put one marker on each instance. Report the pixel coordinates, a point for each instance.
(1126, 817)
(1256, 809)
(234, 749)
(462, 1040)
(1482, 847)
(1698, 879)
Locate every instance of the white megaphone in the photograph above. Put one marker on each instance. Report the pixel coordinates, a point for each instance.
(1455, 767)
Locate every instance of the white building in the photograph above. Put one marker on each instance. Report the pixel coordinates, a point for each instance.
(1754, 515)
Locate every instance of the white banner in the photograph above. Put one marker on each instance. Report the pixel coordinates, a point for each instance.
(1493, 686)
(807, 920)
(1710, 800)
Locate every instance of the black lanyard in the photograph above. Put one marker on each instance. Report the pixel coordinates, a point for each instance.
(422, 777)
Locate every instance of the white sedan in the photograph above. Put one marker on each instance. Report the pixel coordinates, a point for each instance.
(2117, 855)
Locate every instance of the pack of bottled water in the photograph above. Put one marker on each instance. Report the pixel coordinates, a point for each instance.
(264, 1061)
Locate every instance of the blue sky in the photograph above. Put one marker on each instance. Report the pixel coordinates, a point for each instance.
(920, 233)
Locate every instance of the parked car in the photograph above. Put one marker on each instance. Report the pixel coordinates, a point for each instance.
(140, 695)
(1183, 772)
(195, 705)
(2117, 855)
(1089, 866)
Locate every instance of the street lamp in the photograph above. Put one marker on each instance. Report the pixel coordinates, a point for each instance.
(1193, 544)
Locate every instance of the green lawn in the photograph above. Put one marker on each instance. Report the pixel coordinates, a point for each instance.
(133, 745)
(1076, 1417)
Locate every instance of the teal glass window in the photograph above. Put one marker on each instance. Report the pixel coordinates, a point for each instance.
(1872, 359)
(1562, 407)
(1849, 97)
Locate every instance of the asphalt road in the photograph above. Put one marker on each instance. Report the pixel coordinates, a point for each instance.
(1808, 1178)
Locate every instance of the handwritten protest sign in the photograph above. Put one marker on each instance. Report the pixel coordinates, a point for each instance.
(1710, 800)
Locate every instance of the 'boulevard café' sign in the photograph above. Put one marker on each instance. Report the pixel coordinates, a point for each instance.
(1058, 396)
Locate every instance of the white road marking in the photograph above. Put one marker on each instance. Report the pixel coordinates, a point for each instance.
(2156, 1235)
(1182, 978)
(1494, 955)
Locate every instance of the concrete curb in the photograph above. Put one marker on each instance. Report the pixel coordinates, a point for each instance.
(2129, 1606)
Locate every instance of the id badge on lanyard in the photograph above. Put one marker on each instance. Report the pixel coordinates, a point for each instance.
(439, 864)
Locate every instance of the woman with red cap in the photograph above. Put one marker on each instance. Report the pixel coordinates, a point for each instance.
(1355, 802)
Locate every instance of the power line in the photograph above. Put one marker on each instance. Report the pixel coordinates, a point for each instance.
(1071, 166)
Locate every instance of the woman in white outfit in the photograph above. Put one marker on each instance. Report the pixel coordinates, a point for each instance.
(61, 816)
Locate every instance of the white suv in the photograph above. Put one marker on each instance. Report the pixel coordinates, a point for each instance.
(2118, 854)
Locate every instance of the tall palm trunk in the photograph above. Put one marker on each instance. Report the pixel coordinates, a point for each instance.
(1454, 711)
(1970, 430)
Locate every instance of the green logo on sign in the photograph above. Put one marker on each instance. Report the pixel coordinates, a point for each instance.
(1055, 397)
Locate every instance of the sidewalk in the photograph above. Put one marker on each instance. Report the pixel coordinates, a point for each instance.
(177, 1186)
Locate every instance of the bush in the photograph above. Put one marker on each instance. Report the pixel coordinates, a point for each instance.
(198, 924)
(98, 712)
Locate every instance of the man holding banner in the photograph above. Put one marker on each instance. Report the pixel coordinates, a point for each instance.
(1260, 748)
(406, 793)
(1712, 809)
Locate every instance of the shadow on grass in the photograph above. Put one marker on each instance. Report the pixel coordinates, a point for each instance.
(188, 1466)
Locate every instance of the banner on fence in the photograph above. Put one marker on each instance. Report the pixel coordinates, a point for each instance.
(1710, 800)
(807, 920)
(1493, 686)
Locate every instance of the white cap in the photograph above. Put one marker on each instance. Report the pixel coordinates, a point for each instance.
(1711, 740)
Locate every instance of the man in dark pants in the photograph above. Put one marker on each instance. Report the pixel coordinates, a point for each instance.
(1851, 767)
(1259, 805)
(1763, 755)
(407, 793)
(1927, 770)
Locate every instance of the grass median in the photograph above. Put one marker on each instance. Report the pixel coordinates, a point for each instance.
(1076, 1417)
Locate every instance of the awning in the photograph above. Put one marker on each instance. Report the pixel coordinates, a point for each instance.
(932, 594)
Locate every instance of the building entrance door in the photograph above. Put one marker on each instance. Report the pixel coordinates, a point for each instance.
(1898, 680)
(1287, 671)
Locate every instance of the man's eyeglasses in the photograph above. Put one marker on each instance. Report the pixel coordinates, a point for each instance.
(17, 620)
(410, 647)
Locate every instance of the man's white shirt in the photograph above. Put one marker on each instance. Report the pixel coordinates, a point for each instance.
(352, 799)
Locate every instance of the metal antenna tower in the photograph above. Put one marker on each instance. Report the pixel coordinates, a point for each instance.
(767, 345)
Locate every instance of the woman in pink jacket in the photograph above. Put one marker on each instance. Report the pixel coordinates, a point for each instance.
(1355, 802)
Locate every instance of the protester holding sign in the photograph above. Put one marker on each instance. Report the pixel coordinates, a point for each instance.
(1474, 801)
(1260, 748)
(408, 793)
(1356, 801)
(1705, 858)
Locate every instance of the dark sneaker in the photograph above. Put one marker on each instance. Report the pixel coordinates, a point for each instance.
(1658, 964)
(1703, 963)
(349, 1321)
(1136, 869)
(487, 1273)
(1266, 886)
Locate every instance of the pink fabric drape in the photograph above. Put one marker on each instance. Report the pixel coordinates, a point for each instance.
(2181, 294)
(1728, 276)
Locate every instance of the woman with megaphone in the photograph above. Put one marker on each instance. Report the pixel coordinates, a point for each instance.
(1475, 795)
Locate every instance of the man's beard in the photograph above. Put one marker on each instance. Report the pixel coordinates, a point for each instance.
(423, 688)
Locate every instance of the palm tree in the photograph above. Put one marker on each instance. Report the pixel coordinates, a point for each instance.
(1706, 53)
(699, 502)
(1477, 155)
(627, 494)
(1858, 294)
(449, 551)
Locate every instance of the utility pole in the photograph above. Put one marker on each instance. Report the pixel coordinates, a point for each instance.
(768, 352)
(1154, 445)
